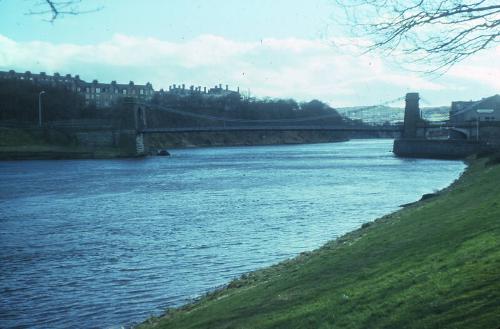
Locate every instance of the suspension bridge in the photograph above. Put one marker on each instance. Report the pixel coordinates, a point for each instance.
(224, 123)
(220, 123)
(414, 127)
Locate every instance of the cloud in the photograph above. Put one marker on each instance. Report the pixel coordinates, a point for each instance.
(484, 68)
(289, 67)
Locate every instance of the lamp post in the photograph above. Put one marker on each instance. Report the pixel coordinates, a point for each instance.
(477, 128)
(40, 108)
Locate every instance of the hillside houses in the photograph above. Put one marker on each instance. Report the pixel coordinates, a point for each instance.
(106, 94)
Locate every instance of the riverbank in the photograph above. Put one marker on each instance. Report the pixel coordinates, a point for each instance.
(37, 144)
(243, 138)
(433, 264)
(49, 144)
(56, 152)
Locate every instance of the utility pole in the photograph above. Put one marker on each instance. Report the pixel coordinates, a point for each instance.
(40, 108)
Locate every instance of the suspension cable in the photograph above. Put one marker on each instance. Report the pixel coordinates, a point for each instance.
(227, 119)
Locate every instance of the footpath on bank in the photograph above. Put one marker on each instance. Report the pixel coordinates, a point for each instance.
(433, 264)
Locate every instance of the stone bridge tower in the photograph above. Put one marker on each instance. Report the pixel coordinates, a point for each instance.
(412, 116)
(140, 125)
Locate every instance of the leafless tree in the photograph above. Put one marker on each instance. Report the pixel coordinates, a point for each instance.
(58, 8)
(438, 33)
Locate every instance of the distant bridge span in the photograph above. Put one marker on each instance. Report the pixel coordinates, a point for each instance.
(273, 128)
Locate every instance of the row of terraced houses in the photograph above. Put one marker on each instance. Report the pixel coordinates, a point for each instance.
(105, 94)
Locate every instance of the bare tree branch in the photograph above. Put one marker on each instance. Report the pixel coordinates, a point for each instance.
(438, 33)
(58, 8)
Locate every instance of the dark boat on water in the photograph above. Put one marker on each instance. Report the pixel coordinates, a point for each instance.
(162, 152)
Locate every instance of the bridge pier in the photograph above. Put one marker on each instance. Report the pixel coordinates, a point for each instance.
(140, 126)
(415, 143)
(412, 116)
(140, 148)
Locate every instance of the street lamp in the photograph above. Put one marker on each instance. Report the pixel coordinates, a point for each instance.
(40, 108)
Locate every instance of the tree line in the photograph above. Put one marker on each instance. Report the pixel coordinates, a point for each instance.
(19, 101)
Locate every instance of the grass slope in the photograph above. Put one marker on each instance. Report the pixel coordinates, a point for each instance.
(435, 264)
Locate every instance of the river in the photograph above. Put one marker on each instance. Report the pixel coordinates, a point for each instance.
(107, 243)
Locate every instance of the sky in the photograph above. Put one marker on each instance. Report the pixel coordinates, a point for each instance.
(268, 48)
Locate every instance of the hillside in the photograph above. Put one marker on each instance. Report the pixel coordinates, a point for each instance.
(434, 264)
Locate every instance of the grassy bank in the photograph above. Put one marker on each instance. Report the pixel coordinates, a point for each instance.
(434, 264)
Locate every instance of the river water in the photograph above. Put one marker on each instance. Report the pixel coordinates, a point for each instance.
(106, 243)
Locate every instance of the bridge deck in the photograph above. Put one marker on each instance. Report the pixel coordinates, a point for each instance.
(271, 128)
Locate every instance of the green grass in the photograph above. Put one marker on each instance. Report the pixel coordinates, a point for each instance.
(435, 264)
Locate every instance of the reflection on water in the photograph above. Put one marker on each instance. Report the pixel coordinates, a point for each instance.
(103, 243)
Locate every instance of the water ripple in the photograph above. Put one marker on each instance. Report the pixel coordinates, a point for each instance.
(100, 244)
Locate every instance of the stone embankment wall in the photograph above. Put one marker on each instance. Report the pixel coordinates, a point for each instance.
(97, 138)
(195, 139)
(105, 138)
(446, 149)
(491, 134)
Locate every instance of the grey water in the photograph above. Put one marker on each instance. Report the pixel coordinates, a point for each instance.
(107, 243)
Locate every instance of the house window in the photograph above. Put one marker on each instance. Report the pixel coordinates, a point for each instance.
(141, 91)
(124, 91)
(98, 90)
